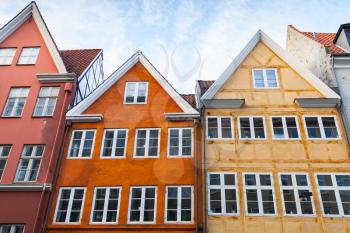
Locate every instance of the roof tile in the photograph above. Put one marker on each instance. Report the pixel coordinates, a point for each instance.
(190, 98)
(204, 85)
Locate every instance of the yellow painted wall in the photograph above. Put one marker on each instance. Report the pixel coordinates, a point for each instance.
(274, 156)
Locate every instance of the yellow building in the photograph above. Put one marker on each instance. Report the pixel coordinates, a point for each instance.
(276, 154)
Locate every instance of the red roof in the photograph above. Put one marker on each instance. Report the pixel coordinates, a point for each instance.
(325, 39)
(190, 98)
(204, 85)
(77, 60)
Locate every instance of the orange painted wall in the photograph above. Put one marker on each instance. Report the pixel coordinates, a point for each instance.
(126, 172)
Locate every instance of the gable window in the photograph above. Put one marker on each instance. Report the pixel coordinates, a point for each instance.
(69, 206)
(81, 144)
(147, 143)
(296, 194)
(136, 92)
(223, 194)
(114, 143)
(29, 164)
(219, 127)
(6, 228)
(46, 102)
(180, 142)
(4, 154)
(321, 127)
(252, 127)
(105, 207)
(265, 78)
(28, 56)
(6, 55)
(15, 102)
(285, 127)
(259, 193)
(334, 191)
(179, 202)
(142, 204)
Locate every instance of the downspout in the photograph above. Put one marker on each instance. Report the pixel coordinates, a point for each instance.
(204, 189)
(196, 175)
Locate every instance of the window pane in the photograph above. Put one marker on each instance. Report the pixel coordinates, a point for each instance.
(313, 128)
(265, 180)
(305, 202)
(324, 180)
(214, 179)
(213, 128)
(226, 130)
(301, 180)
(250, 179)
(231, 201)
(292, 128)
(245, 127)
(252, 201)
(142, 93)
(277, 127)
(258, 78)
(329, 202)
(286, 180)
(330, 128)
(215, 201)
(229, 179)
(259, 127)
(289, 202)
(130, 92)
(268, 202)
(343, 180)
(345, 200)
(271, 78)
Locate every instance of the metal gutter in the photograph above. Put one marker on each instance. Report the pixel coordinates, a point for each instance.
(25, 187)
(317, 102)
(223, 103)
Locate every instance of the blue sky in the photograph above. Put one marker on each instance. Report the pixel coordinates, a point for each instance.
(185, 40)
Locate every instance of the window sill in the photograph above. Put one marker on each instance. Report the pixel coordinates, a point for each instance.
(11, 117)
(48, 116)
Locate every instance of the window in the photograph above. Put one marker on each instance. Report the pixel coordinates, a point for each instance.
(179, 203)
(4, 154)
(29, 164)
(136, 93)
(15, 102)
(46, 102)
(219, 127)
(114, 143)
(252, 128)
(6, 55)
(147, 143)
(69, 205)
(296, 194)
(105, 206)
(28, 56)
(180, 142)
(321, 127)
(265, 78)
(142, 204)
(223, 194)
(285, 127)
(81, 144)
(259, 193)
(11, 228)
(334, 191)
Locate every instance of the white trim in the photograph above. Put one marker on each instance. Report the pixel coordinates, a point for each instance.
(222, 188)
(142, 205)
(85, 118)
(12, 50)
(119, 73)
(180, 143)
(219, 128)
(295, 188)
(259, 188)
(4, 157)
(320, 124)
(135, 95)
(81, 144)
(179, 202)
(285, 128)
(115, 134)
(336, 190)
(69, 208)
(47, 98)
(147, 143)
(266, 86)
(15, 105)
(105, 208)
(261, 36)
(252, 128)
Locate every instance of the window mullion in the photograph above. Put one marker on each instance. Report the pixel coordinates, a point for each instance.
(251, 125)
(143, 197)
(219, 127)
(337, 195)
(222, 193)
(45, 106)
(265, 78)
(180, 142)
(114, 142)
(147, 142)
(14, 107)
(105, 207)
(30, 164)
(179, 200)
(285, 130)
(296, 194)
(259, 194)
(135, 92)
(320, 123)
(70, 204)
(80, 153)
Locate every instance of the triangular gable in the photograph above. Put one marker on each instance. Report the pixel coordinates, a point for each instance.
(119, 73)
(261, 36)
(22, 17)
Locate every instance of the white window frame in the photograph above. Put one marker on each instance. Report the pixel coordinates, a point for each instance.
(115, 131)
(81, 144)
(295, 189)
(265, 78)
(222, 188)
(285, 129)
(180, 143)
(179, 200)
(4, 157)
(13, 227)
(259, 188)
(320, 123)
(252, 130)
(30, 164)
(336, 190)
(219, 128)
(35, 58)
(136, 92)
(11, 56)
(70, 203)
(147, 143)
(142, 207)
(105, 208)
(47, 98)
(16, 102)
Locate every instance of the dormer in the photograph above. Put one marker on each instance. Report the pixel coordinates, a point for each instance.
(342, 38)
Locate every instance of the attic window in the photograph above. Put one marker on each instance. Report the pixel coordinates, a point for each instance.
(28, 56)
(6, 55)
(347, 34)
(265, 78)
(136, 93)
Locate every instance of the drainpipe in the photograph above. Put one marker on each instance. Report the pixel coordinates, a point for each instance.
(204, 189)
(196, 174)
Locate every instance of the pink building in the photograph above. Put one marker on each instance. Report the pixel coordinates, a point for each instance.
(38, 83)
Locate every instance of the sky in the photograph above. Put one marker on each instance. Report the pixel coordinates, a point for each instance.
(185, 40)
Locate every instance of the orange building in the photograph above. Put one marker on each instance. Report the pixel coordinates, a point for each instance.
(131, 158)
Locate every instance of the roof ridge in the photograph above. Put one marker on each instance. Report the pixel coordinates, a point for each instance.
(65, 50)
